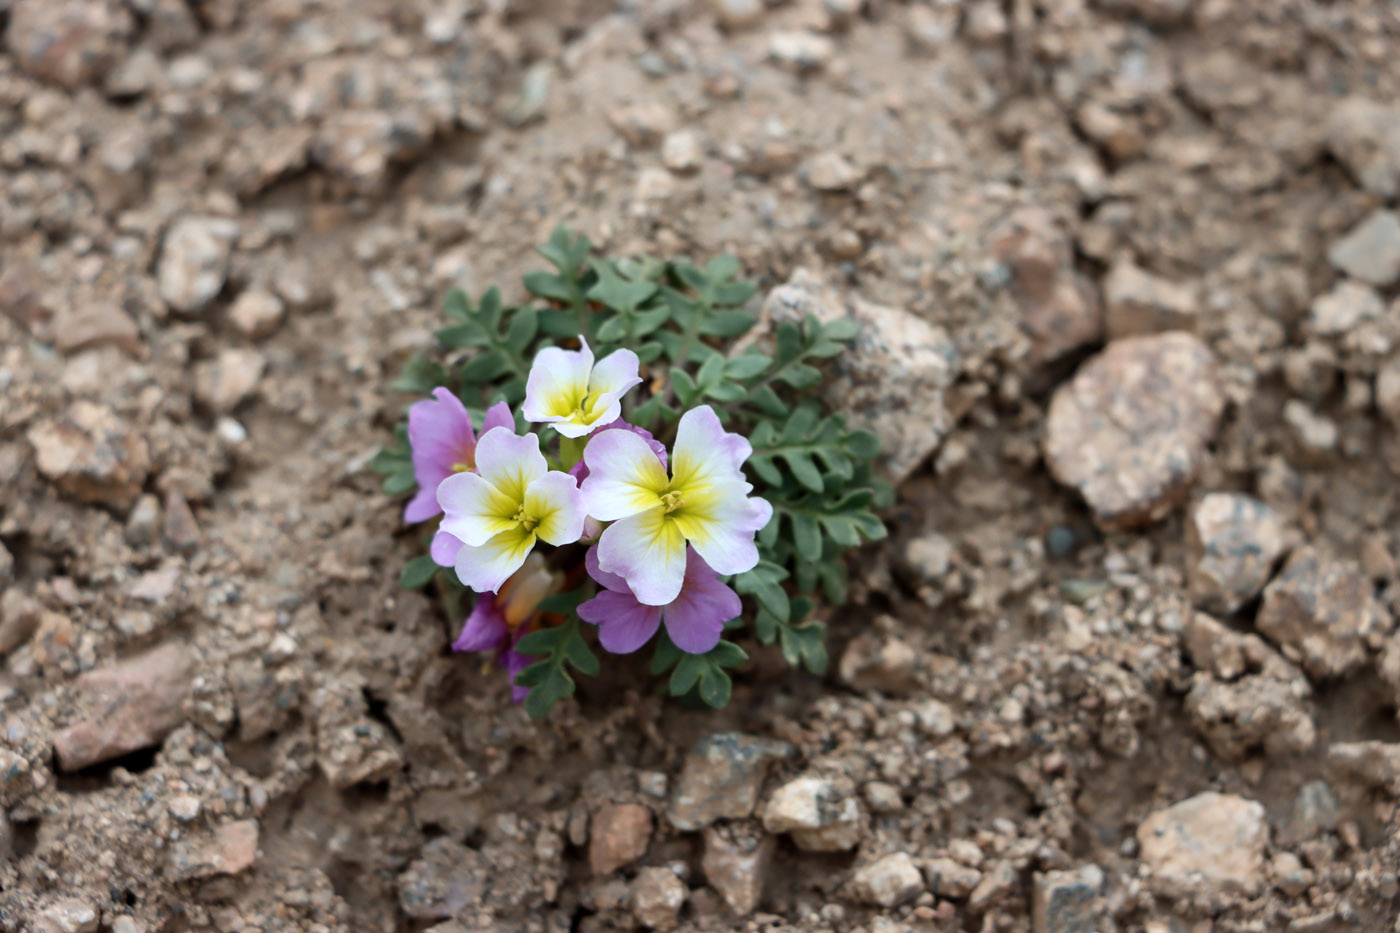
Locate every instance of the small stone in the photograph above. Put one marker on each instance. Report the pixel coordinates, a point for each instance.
(985, 22)
(654, 184)
(155, 586)
(883, 797)
(181, 530)
(443, 882)
(230, 849)
(680, 151)
(1319, 611)
(1371, 250)
(99, 324)
(1119, 135)
(1059, 310)
(19, 617)
(997, 882)
(230, 431)
(297, 285)
(225, 381)
(936, 718)
(68, 42)
(1364, 135)
(1311, 370)
(7, 566)
(643, 123)
(886, 665)
(1372, 764)
(831, 171)
(949, 878)
(194, 261)
(928, 557)
(1067, 901)
(1315, 811)
(69, 915)
(1130, 430)
(1137, 302)
(799, 50)
(1232, 542)
(143, 522)
(129, 705)
(1341, 310)
(721, 777)
(1376, 558)
(92, 455)
(618, 836)
(888, 881)
(184, 807)
(735, 862)
(657, 897)
(1314, 436)
(820, 813)
(256, 313)
(1211, 842)
(21, 294)
(930, 28)
(1289, 875)
(736, 14)
(359, 752)
(1388, 390)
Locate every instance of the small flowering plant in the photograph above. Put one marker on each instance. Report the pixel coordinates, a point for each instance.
(608, 463)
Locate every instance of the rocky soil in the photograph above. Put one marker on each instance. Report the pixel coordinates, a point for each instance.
(1127, 662)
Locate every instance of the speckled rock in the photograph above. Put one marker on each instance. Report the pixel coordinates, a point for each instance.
(618, 836)
(92, 455)
(888, 881)
(1212, 843)
(68, 42)
(1372, 764)
(95, 324)
(446, 878)
(721, 778)
(1138, 302)
(892, 377)
(229, 849)
(1232, 543)
(1371, 250)
(736, 861)
(67, 915)
(1320, 611)
(657, 897)
(1130, 430)
(194, 261)
(1067, 901)
(225, 381)
(820, 813)
(1364, 135)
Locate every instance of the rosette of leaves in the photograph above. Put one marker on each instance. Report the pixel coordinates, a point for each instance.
(684, 322)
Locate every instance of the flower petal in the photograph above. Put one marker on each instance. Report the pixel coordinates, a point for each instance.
(704, 452)
(721, 528)
(624, 477)
(440, 436)
(514, 663)
(474, 508)
(444, 548)
(423, 505)
(695, 620)
(485, 628)
(554, 501)
(648, 551)
(510, 462)
(612, 378)
(498, 416)
(609, 581)
(557, 384)
(485, 568)
(624, 625)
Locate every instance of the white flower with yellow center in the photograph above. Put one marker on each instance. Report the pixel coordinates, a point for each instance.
(500, 511)
(705, 501)
(568, 392)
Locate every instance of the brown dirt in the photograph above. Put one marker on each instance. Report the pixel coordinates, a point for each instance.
(355, 159)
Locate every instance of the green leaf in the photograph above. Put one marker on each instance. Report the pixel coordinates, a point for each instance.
(716, 688)
(457, 305)
(543, 641)
(523, 326)
(389, 460)
(841, 330)
(667, 654)
(420, 375)
(726, 323)
(727, 392)
(401, 482)
(580, 656)
(418, 572)
(687, 672)
(484, 367)
(863, 445)
(806, 535)
(616, 292)
(804, 470)
(727, 654)
(765, 583)
(747, 366)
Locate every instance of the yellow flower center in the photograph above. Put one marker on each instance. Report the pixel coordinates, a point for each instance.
(672, 500)
(527, 521)
(461, 467)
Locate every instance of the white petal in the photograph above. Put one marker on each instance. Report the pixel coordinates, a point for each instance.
(647, 551)
(704, 452)
(557, 383)
(510, 462)
(474, 509)
(554, 501)
(614, 375)
(624, 476)
(487, 567)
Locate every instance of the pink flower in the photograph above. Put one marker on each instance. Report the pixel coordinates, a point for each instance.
(440, 433)
(579, 471)
(694, 619)
(500, 620)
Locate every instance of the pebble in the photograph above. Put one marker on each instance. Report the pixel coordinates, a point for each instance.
(996, 884)
(7, 566)
(928, 556)
(1371, 250)
(1211, 843)
(642, 123)
(1067, 901)
(1364, 135)
(681, 151)
(184, 807)
(891, 380)
(19, 617)
(736, 861)
(930, 28)
(129, 705)
(68, 42)
(800, 50)
(1059, 309)
(1320, 611)
(657, 897)
(1138, 302)
(1314, 436)
(69, 915)
(143, 522)
(721, 778)
(1338, 311)
(446, 879)
(1388, 390)
(225, 381)
(888, 881)
(1311, 370)
(194, 261)
(1130, 430)
(1315, 811)
(950, 878)
(181, 530)
(1372, 764)
(737, 14)
(1232, 543)
(618, 836)
(820, 813)
(357, 753)
(1289, 875)
(886, 665)
(92, 455)
(883, 797)
(256, 314)
(97, 324)
(831, 171)
(230, 849)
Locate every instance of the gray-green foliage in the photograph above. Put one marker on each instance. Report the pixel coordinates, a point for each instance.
(682, 320)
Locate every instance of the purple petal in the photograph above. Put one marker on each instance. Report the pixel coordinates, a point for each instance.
(609, 581)
(484, 629)
(514, 663)
(579, 471)
(444, 549)
(498, 416)
(440, 435)
(422, 506)
(624, 624)
(695, 620)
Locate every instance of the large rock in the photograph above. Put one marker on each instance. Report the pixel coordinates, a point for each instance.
(1130, 430)
(1364, 135)
(891, 377)
(820, 813)
(1232, 543)
(1211, 844)
(1321, 612)
(92, 455)
(194, 261)
(721, 778)
(130, 705)
(68, 42)
(1371, 250)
